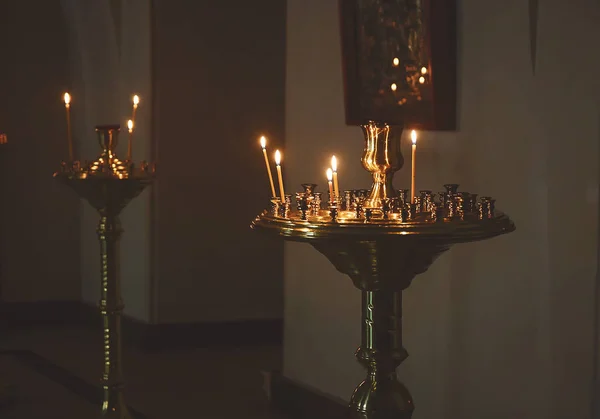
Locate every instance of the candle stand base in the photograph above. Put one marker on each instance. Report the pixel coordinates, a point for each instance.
(382, 242)
(109, 185)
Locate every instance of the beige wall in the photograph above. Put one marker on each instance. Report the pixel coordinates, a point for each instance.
(219, 77)
(496, 329)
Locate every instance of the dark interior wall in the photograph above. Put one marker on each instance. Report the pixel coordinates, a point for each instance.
(39, 219)
(219, 83)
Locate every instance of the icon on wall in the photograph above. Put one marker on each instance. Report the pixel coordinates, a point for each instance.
(399, 59)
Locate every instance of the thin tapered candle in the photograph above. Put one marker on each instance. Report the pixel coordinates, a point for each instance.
(413, 137)
(136, 102)
(67, 99)
(329, 180)
(336, 186)
(263, 144)
(130, 128)
(279, 177)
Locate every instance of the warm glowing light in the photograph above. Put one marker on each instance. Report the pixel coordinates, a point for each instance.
(393, 87)
(329, 175)
(334, 164)
(277, 157)
(396, 62)
(423, 70)
(421, 79)
(130, 125)
(413, 136)
(263, 144)
(136, 100)
(67, 99)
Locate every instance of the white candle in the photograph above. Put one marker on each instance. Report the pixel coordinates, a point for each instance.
(263, 144)
(130, 128)
(329, 180)
(136, 102)
(279, 177)
(336, 186)
(67, 99)
(413, 137)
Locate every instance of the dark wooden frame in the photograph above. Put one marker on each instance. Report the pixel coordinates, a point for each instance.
(439, 113)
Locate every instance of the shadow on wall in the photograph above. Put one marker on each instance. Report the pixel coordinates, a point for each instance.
(39, 219)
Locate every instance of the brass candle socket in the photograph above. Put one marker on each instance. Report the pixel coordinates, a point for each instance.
(109, 185)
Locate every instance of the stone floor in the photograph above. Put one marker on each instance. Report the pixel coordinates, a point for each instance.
(56, 374)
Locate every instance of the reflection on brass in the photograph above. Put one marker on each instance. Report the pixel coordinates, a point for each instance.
(382, 246)
(109, 184)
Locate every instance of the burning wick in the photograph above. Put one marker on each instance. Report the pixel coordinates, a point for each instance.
(130, 128)
(329, 180)
(136, 102)
(336, 186)
(263, 144)
(413, 137)
(279, 177)
(67, 100)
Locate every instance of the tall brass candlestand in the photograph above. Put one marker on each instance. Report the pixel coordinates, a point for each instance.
(8, 392)
(382, 241)
(108, 185)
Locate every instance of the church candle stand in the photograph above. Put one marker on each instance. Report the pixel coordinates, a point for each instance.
(381, 240)
(109, 184)
(8, 392)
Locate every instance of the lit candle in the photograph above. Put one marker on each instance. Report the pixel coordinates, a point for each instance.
(67, 99)
(279, 177)
(413, 137)
(130, 128)
(263, 144)
(329, 180)
(336, 186)
(136, 102)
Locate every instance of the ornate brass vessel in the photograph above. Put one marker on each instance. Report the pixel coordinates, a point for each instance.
(382, 242)
(109, 184)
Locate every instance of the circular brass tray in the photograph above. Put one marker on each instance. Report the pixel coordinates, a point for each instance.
(322, 228)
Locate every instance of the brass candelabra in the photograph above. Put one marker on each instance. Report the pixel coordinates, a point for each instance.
(382, 240)
(109, 184)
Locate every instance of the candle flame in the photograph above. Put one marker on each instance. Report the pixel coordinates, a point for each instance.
(329, 175)
(393, 87)
(334, 164)
(130, 125)
(413, 136)
(263, 142)
(277, 157)
(136, 100)
(421, 79)
(423, 70)
(67, 99)
(396, 62)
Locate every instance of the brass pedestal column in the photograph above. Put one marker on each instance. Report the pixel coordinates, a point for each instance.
(381, 352)
(111, 307)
